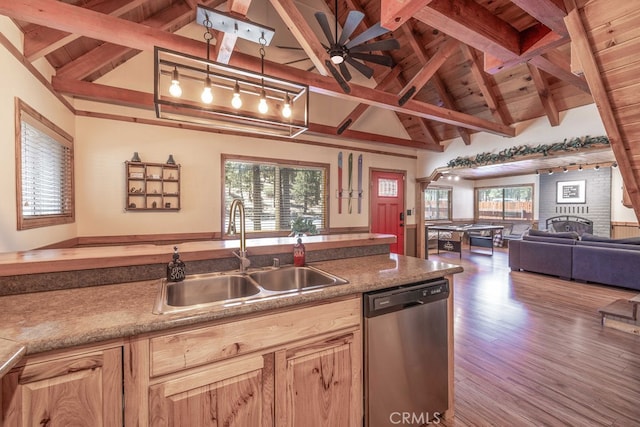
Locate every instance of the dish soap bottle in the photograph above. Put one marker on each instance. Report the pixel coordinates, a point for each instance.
(176, 270)
(299, 253)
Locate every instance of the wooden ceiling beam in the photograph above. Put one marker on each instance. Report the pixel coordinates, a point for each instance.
(446, 98)
(91, 24)
(544, 93)
(425, 126)
(429, 69)
(471, 23)
(536, 45)
(303, 33)
(498, 111)
(555, 64)
(592, 73)
(142, 100)
(359, 110)
(549, 12)
(106, 53)
(226, 42)
(41, 40)
(394, 13)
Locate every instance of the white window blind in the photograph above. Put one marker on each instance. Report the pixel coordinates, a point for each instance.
(46, 173)
(276, 194)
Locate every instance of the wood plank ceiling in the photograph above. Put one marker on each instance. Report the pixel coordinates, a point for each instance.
(471, 65)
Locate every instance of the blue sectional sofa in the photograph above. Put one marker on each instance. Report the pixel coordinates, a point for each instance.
(584, 258)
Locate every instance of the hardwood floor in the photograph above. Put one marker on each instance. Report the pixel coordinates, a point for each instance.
(530, 350)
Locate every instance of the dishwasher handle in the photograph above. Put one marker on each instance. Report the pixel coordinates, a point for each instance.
(389, 300)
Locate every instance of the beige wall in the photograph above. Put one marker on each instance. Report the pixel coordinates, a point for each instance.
(17, 82)
(102, 146)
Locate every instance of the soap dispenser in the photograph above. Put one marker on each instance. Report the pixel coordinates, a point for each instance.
(299, 253)
(176, 269)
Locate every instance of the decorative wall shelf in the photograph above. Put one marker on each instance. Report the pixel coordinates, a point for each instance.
(152, 186)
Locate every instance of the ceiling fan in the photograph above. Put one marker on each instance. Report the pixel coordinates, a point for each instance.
(344, 51)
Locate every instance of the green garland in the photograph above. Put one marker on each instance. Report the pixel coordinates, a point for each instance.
(509, 154)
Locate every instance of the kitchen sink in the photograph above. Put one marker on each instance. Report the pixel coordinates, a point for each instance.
(202, 289)
(294, 278)
(219, 289)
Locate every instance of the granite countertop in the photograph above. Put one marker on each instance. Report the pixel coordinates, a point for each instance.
(42, 321)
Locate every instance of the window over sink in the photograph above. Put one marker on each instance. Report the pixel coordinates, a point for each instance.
(276, 193)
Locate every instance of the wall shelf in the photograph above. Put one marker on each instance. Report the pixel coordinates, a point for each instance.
(152, 187)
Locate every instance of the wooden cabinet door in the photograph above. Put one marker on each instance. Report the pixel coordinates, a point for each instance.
(319, 384)
(231, 393)
(78, 390)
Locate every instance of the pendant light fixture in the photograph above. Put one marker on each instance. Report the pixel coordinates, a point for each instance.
(198, 90)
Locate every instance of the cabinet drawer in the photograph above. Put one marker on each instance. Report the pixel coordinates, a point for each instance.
(182, 350)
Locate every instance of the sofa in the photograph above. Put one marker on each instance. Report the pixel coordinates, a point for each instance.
(584, 258)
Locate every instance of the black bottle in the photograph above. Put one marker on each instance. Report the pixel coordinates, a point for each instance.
(176, 269)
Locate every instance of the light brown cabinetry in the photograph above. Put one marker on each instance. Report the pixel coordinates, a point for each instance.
(320, 382)
(292, 367)
(80, 388)
(152, 186)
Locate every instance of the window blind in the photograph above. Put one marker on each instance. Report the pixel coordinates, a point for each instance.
(45, 167)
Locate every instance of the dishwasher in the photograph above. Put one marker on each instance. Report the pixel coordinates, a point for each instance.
(406, 354)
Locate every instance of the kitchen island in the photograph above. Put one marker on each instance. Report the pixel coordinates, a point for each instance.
(90, 327)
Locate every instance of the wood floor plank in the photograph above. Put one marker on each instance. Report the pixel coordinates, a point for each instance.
(530, 350)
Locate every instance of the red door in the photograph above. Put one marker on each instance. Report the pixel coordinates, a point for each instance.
(387, 206)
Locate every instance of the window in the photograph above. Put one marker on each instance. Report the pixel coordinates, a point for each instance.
(505, 203)
(276, 194)
(44, 169)
(437, 204)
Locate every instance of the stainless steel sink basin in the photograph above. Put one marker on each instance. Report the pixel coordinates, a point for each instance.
(294, 278)
(203, 289)
(218, 289)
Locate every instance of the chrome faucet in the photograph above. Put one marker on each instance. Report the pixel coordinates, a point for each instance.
(238, 205)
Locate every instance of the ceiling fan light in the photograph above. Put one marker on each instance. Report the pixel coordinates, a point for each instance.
(337, 59)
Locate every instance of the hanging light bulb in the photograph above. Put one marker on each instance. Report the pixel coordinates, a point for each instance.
(286, 109)
(262, 105)
(236, 101)
(580, 168)
(207, 95)
(175, 90)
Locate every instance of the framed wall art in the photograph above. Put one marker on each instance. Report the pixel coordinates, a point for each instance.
(571, 192)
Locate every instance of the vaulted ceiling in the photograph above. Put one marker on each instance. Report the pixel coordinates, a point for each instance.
(463, 66)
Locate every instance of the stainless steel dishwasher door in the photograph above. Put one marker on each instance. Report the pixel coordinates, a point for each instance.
(406, 355)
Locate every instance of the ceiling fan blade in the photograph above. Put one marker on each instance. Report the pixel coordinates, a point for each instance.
(353, 20)
(295, 61)
(388, 44)
(324, 24)
(376, 59)
(289, 47)
(336, 75)
(365, 70)
(366, 35)
(345, 71)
